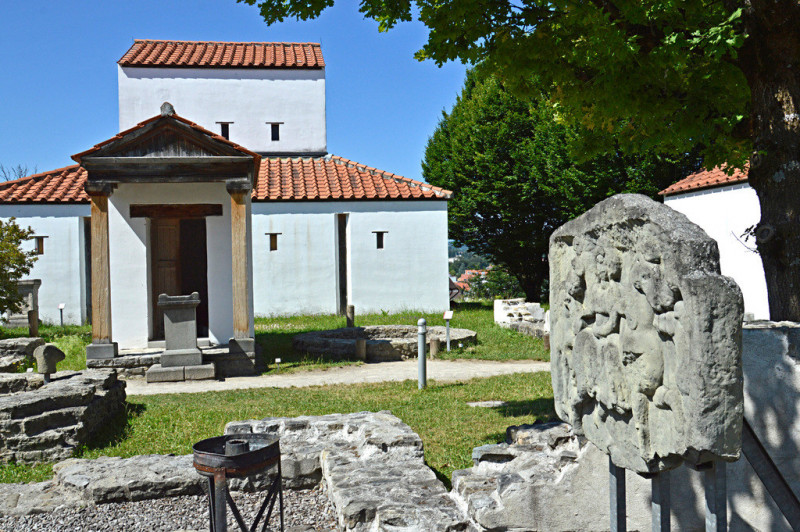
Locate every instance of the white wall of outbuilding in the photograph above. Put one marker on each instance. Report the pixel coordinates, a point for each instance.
(725, 213)
(62, 266)
(300, 277)
(250, 98)
(129, 259)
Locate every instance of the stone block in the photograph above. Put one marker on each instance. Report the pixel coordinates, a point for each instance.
(199, 372)
(47, 356)
(181, 357)
(646, 336)
(180, 323)
(242, 345)
(101, 351)
(158, 373)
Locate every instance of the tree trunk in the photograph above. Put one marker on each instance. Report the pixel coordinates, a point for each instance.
(531, 283)
(770, 59)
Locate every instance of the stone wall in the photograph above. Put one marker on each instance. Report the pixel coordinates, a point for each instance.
(15, 353)
(41, 422)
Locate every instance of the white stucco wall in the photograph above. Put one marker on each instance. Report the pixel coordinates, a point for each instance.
(247, 97)
(724, 213)
(129, 259)
(61, 266)
(301, 277)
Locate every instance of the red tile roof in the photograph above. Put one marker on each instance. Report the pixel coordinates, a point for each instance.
(336, 178)
(706, 179)
(281, 179)
(207, 54)
(64, 185)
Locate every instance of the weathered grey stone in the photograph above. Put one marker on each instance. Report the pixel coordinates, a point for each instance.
(646, 336)
(158, 373)
(111, 479)
(47, 356)
(372, 465)
(36, 498)
(29, 290)
(201, 372)
(531, 328)
(45, 423)
(180, 334)
(99, 351)
(15, 352)
(383, 342)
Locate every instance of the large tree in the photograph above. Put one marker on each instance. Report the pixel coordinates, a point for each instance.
(515, 179)
(14, 263)
(668, 73)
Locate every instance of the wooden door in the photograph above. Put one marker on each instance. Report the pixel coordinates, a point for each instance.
(165, 260)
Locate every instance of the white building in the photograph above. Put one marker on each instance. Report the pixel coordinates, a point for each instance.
(725, 207)
(241, 203)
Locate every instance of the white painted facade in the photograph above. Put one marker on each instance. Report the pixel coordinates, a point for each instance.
(251, 99)
(129, 259)
(725, 213)
(410, 272)
(62, 267)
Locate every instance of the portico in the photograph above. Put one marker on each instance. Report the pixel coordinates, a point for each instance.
(170, 213)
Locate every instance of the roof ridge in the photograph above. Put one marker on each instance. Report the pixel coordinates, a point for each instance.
(226, 42)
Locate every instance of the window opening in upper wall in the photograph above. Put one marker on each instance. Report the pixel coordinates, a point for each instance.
(275, 130)
(39, 245)
(379, 239)
(273, 241)
(225, 129)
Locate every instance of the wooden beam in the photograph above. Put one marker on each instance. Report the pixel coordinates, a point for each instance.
(101, 280)
(241, 314)
(189, 210)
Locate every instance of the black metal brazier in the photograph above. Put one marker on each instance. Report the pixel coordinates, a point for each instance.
(238, 456)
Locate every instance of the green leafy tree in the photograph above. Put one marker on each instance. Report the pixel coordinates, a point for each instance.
(14, 263)
(515, 180)
(667, 75)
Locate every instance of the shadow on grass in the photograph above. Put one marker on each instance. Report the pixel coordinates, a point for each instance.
(471, 305)
(542, 408)
(115, 430)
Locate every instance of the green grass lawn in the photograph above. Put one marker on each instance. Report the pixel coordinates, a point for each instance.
(72, 339)
(494, 342)
(439, 414)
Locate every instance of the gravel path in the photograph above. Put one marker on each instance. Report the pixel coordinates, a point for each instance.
(305, 510)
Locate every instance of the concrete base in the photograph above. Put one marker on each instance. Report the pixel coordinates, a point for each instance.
(242, 345)
(101, 351)
(181, 357)
(199, 373)
(158, 373)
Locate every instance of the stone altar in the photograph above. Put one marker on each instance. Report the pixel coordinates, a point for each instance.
(29, 290)
(646, 336)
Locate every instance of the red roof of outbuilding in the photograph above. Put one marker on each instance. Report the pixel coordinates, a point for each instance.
(280, 179)
(211, 54)
(706, 179)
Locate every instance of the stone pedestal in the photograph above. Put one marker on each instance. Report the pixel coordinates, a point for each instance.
(29, 290)
(182, 359)
(100, 351)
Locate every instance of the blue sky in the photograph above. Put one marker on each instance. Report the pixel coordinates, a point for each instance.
(59, 90)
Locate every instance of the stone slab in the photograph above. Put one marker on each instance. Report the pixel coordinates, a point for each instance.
(183, 357)
(101, 351)
(646, 336)
(158, 373)
(198, 373)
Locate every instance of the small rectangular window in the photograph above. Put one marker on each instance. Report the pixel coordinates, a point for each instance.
(276, 131)
(273, 241)
(225, 129)
(39, 245)
(379, 239)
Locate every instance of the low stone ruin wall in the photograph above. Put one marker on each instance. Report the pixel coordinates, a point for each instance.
(371, 464)
(385, 343)
(15, 353)
(41, 422)
(521, 316)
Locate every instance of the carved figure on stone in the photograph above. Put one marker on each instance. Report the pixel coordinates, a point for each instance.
(646, 336)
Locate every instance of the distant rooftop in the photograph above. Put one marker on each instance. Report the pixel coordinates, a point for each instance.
(212, 54)
(705, 179)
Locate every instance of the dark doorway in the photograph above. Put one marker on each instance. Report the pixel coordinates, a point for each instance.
(341, 256)
(179, 266)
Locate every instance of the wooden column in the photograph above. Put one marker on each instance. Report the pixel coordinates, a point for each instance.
(241, 314)
(101, 280)
(101, 346)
